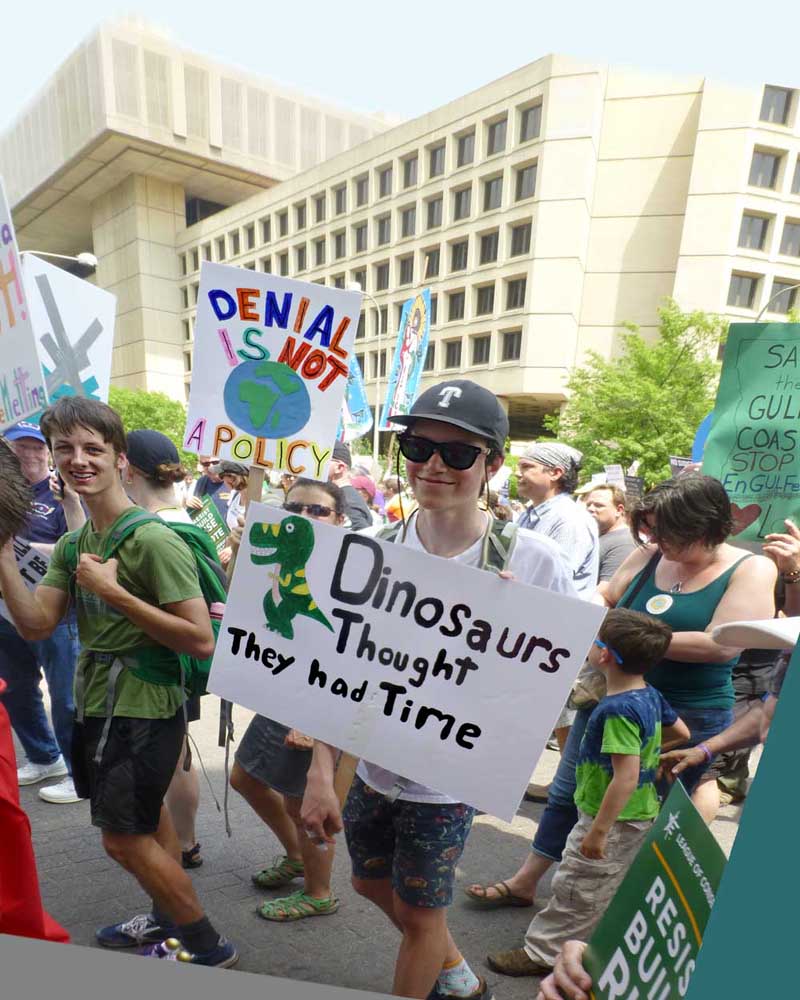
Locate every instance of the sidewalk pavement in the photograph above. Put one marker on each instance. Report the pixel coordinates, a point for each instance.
(83, 889)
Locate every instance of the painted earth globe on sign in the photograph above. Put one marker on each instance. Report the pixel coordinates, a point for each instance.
(266, 399)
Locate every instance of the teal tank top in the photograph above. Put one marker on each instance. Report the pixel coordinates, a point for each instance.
(687, 685)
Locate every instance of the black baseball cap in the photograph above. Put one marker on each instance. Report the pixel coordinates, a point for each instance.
(146, 450)
(341, 453)
(463, 404)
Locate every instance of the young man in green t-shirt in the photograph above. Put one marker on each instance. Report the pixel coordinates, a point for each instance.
(616, 794)
(142, 605)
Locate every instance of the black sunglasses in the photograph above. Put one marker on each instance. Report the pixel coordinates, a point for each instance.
(455, 454)
(314, 509)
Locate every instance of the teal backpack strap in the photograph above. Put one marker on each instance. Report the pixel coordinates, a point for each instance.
(126, 527)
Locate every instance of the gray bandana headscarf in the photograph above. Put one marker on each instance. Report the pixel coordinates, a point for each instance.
(554, 455)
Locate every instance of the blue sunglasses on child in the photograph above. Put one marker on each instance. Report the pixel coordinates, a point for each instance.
(613, 652)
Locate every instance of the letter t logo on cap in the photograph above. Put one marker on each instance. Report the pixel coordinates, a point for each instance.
(446, 394)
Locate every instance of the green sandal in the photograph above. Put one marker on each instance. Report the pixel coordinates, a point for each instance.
(282, 871)
(298, 906)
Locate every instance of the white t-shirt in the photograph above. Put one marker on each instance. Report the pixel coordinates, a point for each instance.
(177, 514)
(535, 561)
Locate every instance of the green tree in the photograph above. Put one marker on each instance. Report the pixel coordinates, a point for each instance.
(646, 403)
(156, 411)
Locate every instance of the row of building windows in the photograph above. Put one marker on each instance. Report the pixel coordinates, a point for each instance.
(744, 292)
(451, 353)
(768, 167)
(432, 262)
(755, 233)
(408, 222)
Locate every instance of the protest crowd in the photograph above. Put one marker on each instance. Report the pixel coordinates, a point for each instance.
(122, 623)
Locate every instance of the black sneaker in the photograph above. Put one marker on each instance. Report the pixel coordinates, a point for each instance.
(139, 930)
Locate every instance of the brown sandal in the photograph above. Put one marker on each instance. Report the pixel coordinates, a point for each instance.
(504, 897)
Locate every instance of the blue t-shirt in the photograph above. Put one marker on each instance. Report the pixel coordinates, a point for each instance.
(627, 723)
(47, 522)
(218, 492)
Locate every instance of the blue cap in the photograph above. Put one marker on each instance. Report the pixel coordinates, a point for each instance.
(25, 429)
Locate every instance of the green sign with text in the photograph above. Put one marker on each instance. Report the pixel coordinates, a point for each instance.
(212, 522)
(753, 447)
(645, 947)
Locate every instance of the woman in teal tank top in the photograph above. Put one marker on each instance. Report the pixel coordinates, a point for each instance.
(688, 576)
(691, 578)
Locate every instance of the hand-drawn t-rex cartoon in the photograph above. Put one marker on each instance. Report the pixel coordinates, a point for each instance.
(288, 545)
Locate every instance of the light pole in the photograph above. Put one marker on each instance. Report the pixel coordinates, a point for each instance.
(355, 286)
(777, 295)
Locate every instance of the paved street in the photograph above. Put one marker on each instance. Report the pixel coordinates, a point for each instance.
(83, 889)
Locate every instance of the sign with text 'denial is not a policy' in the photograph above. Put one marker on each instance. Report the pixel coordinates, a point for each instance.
(443, 673)
(270, 367)
(22, 389)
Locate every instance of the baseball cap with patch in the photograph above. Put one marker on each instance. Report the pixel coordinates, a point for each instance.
(25, 429)
(463, 404)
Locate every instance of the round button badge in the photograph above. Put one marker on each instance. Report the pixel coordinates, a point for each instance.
(658, 604)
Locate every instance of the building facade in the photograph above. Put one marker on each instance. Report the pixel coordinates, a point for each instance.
(543, 210)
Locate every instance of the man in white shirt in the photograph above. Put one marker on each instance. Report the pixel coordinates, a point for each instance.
(404, 838)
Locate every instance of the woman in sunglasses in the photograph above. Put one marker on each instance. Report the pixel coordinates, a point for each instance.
(270, 767)
(404, 838)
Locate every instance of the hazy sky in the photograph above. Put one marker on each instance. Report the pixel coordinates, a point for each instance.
(407, 58)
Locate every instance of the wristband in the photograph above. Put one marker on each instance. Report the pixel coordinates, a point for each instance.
(706, 751)
(793, 577)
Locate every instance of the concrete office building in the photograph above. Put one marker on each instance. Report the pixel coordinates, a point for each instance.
(543, 210)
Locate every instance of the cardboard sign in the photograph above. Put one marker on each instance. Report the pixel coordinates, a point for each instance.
(356, 419)
(647, 942)
(753, 446)
(74, 324)
(442, 673)
(409, 358)
(32, 566)
(270, 368)
(677, 465)
(634, 486)
(615, 475)
(22, 389)
(211, 521)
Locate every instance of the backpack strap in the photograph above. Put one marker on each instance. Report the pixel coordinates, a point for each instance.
(126, 527)
(498, 545)
(389, 533)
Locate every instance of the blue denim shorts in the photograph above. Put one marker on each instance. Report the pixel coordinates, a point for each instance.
(703, 723)
(416, 844)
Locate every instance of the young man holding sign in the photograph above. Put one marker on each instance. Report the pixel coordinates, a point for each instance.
(405, 839)
(135, 611)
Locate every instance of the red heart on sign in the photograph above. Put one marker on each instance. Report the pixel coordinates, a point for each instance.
(743, 517)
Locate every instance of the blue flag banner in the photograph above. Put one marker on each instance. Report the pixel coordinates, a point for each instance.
(409, 358)
(356, 418)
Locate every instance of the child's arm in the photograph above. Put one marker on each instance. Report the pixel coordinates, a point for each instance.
(623, 785)
(674, 735)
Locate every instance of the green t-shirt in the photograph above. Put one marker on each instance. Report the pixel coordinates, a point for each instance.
(156, 566)
(626, 723)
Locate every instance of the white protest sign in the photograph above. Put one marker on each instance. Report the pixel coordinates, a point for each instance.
(614, 475)
(74, 324)
(271, 358)
(445, 674)
(22, 388)
(32, 566)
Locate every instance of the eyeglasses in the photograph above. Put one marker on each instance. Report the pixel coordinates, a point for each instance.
(313, 509)
(613, 652)
(454, 454)
(205, 465)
